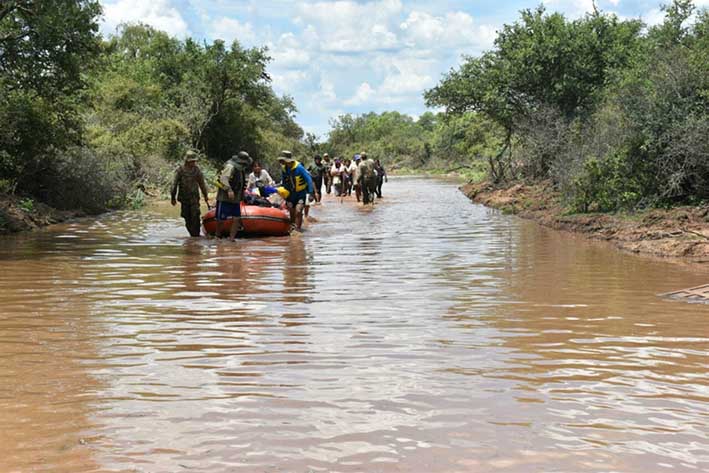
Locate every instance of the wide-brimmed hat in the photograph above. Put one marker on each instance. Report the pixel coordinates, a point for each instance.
(191, 156)
(286, 156)
(242, 159)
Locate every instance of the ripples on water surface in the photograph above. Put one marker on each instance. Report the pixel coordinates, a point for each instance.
(426, 335)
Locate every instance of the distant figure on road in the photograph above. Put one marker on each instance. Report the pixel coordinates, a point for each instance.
(186, 185)
(350, 169)
(356, 176)
(328, 178)
(368, 179)
(337, 172)
(317, 172)
(381, 177)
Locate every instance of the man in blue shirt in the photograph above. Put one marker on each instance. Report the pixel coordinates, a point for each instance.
(297, 180)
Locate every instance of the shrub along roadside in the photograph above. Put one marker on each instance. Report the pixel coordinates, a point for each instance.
(615, 115)
(115, 116)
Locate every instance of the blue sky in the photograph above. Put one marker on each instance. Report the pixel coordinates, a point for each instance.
(350, 56)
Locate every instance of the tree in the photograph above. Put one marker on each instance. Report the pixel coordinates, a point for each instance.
(542, 59)
(540, 62)
(45, 47)
(46, 44)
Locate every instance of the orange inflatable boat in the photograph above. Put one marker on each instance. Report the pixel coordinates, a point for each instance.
(257, 220)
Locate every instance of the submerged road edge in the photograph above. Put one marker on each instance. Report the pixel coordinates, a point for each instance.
(680, 234)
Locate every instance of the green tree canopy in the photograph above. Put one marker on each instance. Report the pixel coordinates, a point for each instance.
(541, 59)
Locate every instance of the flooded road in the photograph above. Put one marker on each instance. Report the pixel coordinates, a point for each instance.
(426, 335)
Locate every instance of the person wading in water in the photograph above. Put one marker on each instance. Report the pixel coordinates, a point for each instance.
(231, 184)
(186, 185)
(356, 177)
(348, 175)
(368, 179)
(337, 172)
(327, 177)
(297, 180)
(381, 177)
(317, 172)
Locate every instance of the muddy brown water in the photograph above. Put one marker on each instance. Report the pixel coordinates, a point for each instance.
(426, 335)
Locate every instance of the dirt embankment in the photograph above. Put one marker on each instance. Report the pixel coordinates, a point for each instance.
(19, 215)
(676, 233)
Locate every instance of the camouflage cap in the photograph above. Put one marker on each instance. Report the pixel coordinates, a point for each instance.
(286, 156)
(191, 156)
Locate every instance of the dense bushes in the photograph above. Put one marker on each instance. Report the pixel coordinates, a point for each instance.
(613, 114)
(91, 123)
(433, 141)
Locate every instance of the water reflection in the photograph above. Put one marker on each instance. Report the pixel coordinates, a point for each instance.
(45, 388)
(415, 336)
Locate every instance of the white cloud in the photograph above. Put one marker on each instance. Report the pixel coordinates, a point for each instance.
(573, 8)
(286, 82)
(363, 95)
(404, 84)
(229, 29)
(403, 81)
(288, 52)
(654, 17)
(452, 30)
(349, 26)
(327, 90)
(159, 14)
(405, 76)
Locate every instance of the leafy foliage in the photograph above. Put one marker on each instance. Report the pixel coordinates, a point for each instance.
(614, 114)
(433, 141)
(99, 139)
(44, 47)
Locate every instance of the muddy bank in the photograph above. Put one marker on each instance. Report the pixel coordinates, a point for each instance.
(21, 215)
(676, 233)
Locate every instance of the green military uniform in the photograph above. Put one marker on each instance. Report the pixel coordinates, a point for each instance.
(368, 180)
(185, 188)
(233, 177)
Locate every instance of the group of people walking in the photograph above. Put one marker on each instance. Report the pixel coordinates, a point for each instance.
(241, 179)
(360, 174)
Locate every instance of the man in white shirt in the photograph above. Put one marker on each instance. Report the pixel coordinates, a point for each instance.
(350, 168)
(259, 178)
(356, 177)
(336, 172)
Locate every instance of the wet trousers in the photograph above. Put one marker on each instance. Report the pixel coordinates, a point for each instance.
(380, 182)
(191, 213)
(369, 189)
(317, 185)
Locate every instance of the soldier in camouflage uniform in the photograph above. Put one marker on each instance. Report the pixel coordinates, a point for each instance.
(367, 179)
(185, 188)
